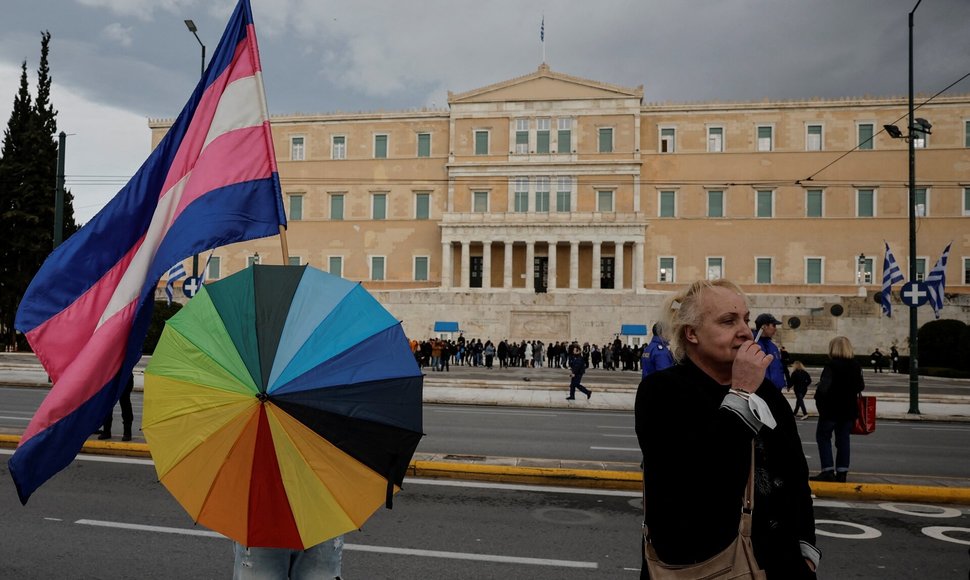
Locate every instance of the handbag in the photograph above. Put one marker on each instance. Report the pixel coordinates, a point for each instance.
(865, 422)
(736, 561)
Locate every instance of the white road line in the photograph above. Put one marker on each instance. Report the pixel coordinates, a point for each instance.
(25, 419)
(637, 449)
(628, 428)
(519, 487)
(101, 458)
(362, 547)
(493, 412)
(609, 435)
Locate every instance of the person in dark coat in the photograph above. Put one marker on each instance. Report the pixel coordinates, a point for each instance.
(878, 361)
(835, 397)
(894, 358)
(800, 380)
(577, 367)
(127, 416)
(695, 423)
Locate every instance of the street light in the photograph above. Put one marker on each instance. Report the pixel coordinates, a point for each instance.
(862, 268)
(195, 32)
(918, 127)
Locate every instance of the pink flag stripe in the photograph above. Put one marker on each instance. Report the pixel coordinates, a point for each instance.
(94, 366)
(195, 137)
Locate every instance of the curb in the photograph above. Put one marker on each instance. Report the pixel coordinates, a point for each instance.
(588, 478)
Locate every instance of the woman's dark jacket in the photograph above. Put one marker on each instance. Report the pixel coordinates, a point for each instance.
(800, 380)
(837, 390)
(696, 456)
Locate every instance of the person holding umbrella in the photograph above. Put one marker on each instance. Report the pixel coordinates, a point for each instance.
(320, 561)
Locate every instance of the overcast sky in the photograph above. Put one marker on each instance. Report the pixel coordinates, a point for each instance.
(115, 63)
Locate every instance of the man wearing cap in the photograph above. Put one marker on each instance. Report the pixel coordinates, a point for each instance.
(656, 356)
(767, 324)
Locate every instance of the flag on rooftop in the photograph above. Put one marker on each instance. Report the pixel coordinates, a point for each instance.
(936, 282)
(211, 181)
(891, 274)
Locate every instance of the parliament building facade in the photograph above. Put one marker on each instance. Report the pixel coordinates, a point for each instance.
(559, 208)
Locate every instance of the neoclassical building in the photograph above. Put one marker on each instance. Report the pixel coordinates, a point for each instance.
(555, 207)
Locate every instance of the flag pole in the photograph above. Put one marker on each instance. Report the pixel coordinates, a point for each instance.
(283, 245)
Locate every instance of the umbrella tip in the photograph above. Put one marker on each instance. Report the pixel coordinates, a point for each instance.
(263, 397)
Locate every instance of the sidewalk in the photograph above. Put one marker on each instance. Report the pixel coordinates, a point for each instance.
(547, 388)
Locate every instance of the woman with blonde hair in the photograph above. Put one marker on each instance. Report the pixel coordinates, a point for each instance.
(835, 398)
(696, 421)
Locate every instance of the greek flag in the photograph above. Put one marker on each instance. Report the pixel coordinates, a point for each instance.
(542, 30)
(936, 281)
(890, 275)
(174, 274)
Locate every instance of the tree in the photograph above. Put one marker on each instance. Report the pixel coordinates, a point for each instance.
(28, 171)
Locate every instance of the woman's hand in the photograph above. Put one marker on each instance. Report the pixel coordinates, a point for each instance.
(748, 371)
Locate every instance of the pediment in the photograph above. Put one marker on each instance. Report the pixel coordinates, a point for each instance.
(545, 85)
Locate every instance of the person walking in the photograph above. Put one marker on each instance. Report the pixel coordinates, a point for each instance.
(577, 368)
(835, 397)
(894, 358)
(320, 561)
(656, 356)
(768, 325)
(800, 380)
(127, 416)
(695, 423)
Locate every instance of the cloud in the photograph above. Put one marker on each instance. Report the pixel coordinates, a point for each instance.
(117, 32)
(140, 9)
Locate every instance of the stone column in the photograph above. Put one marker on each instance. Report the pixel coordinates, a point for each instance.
(552, 266)
(507, 275)
(465, 264)
(487, 264)
(574, 265)
(618, 259)
(446, 273)
(597, 256)
(530, 266)
(638, 267)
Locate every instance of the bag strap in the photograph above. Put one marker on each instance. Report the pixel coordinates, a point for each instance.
(747, 505)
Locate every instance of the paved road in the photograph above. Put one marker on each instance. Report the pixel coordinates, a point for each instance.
(101, 519)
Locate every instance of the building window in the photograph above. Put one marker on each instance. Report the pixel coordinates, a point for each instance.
(542, 134)
(920, 138)
(666, 271)
(338, 147)
(668, 139)
(966, 133)
(866, 274)
(966, 270)
(762, 270)
(481, 142)
(542, 194)
(424, 144)
(480, 201)
(865, 203)
(420, 268)
(520, 202)
(715, 268)
(295, 261)
(813, 203)
(214, 268)
(422, 206)
(765, 204)
(564, 142)
(604, 200)
(377, 268)
(668, 204)
(296, 207)
(715, 139)
(966, 201)
(336, 265)
(715, 203)
(337, 206)
(564, 194)
(865, 131)
(521, 136)
(297, 149)
(379, 206)
(813, 138)
(380, 146)
(920, 269)
(252, 261)
(765, 138)
(813, 271)
(606, 140)
(922, 202)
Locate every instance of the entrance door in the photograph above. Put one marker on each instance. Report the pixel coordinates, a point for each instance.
(607, 266)
(475, 275)
(541, 274)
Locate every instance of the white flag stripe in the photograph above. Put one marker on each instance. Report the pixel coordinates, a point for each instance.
(237, 109)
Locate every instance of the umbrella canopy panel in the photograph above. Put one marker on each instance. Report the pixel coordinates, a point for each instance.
(282, 406)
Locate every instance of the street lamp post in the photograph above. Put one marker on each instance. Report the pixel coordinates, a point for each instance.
(862, 269)
(195, 32)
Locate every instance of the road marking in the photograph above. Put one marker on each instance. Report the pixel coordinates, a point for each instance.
(101, 458)
(867, 533)
(362, 547)
(914, 509)
(494, 412)
(629, 428)
(16, 418)
(939, 533)
(637, 449)
(609, 435)
(520, 487)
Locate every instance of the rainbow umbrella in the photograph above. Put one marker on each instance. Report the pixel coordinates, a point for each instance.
(282, 406)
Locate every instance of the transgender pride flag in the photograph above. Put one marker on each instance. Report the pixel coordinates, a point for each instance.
(212, 181)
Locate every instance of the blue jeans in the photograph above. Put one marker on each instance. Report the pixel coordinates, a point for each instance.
(823, 437)
(320, 561)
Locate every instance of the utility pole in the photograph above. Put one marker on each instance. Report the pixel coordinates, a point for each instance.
(59, 191)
